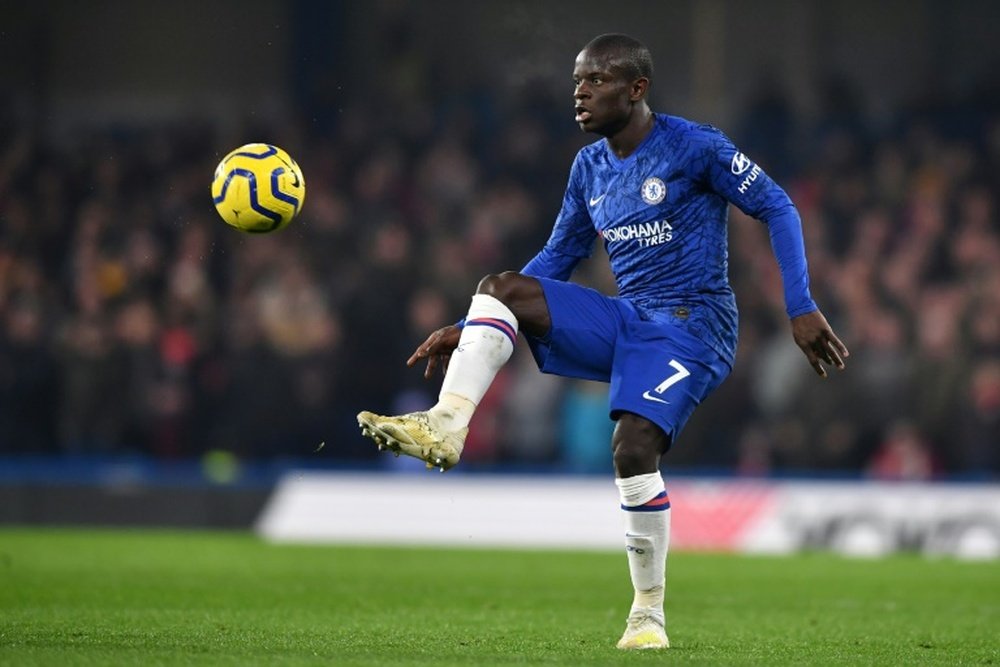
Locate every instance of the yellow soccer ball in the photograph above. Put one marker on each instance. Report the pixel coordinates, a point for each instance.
(258, 188)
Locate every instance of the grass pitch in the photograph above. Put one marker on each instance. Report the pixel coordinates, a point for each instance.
(102, 597)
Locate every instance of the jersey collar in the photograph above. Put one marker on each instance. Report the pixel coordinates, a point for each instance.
(621, 164)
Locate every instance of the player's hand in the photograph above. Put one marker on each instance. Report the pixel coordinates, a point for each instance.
(436, 349)
(816, 339)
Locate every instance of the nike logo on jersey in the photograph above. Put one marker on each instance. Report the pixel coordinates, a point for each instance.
(594, 201)
(650, 397)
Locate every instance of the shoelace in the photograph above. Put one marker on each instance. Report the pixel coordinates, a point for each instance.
(637, 618)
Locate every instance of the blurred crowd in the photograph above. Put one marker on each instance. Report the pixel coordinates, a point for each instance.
(133, 321)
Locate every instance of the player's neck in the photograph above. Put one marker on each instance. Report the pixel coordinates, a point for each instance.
(625, 142)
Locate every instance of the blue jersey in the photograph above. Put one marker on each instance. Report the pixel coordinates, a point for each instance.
(662, 214)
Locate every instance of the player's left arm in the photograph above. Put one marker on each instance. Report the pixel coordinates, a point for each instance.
(815, 337)
(810, 330)
(741, 181)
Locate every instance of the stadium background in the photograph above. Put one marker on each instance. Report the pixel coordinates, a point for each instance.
(141, 335)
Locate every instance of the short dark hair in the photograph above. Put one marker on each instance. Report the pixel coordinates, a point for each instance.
(629, 54)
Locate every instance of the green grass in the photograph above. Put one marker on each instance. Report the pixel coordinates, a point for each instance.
(75, 597)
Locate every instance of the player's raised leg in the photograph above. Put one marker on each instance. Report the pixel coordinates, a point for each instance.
(487, 341)
(638, 445)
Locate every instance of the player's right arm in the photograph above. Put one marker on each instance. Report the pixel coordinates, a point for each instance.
(437, 349)
(572, 239)
(573, 234)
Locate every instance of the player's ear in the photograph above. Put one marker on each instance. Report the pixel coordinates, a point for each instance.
(639, 88)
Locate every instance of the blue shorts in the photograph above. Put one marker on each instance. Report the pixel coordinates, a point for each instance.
(656, 370)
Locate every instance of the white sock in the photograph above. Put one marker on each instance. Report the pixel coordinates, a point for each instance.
(646, 507)
(485, 346)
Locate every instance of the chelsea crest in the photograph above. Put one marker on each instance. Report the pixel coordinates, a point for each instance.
(653, 190)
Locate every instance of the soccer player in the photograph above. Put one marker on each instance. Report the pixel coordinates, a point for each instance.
(656, 190)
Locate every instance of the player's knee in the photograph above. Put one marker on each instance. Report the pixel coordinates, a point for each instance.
(522, 294)
(637, 445)
(634, 458)
(501, 286)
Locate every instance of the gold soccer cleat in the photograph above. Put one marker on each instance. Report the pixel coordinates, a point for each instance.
(416, 434)
(644, 630)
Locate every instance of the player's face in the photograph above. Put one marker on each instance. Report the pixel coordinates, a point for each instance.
(601, 94)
